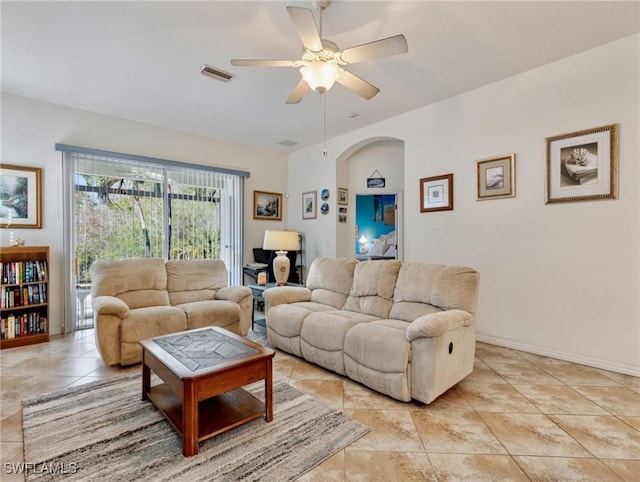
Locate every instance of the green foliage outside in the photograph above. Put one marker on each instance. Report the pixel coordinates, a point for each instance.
(118, 218)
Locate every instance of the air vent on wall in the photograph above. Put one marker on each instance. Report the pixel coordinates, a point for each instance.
(214, 73)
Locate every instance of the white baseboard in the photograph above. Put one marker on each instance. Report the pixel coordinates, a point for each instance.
(570, 357)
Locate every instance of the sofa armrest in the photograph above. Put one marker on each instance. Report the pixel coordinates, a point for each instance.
(436, 324)
(285, 294)
(233, 293)
(110, 305)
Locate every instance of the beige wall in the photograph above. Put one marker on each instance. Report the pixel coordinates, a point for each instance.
(30, 130)
(560, 279)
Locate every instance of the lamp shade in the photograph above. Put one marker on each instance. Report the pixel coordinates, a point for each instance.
(280, 241)
(320, 75)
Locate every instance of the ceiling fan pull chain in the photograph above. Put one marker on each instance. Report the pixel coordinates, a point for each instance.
(325, 151)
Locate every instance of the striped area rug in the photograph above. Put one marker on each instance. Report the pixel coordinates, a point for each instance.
(104, 432)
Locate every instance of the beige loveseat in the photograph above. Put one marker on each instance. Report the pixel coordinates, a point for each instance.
(405, 330)
(138, 298)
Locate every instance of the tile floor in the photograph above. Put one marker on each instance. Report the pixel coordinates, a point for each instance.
(517, 417)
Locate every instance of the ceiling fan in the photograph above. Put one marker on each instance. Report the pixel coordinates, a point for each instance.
(322, 62)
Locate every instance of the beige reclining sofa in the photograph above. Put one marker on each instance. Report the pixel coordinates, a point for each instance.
(403, 329)
(138, 298)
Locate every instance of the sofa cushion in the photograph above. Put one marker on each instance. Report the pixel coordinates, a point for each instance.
(373, 285)
(377, 354)
(456, 287)
(211, 313)
(152, 321)
(330, 280)
(139, 282)
(195, 280)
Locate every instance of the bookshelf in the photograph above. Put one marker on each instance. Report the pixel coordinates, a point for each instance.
(24, 308)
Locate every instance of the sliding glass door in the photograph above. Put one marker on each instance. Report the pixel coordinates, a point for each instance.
(123, 207)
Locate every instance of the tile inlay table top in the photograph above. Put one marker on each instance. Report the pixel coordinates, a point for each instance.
(203, 372)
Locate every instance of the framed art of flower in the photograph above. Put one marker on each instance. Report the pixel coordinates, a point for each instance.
(436, 193)
(496, 177)
(267, 205)
(583, 165)
(309, 208)
(20, 197)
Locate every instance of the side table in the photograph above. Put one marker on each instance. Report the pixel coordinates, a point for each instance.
(256, 292)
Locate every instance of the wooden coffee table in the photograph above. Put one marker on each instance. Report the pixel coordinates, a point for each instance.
(203, 372)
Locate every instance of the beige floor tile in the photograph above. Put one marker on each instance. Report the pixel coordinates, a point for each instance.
(524, 372)
(369, 466)
(476, 468)
(452, 399)
(618, 400)
(391, 431)
(496, 398)
(604, 436)
(561, 469)
(456, 433)
(559, 399)
(357, 396)
(12, 458)
(628, 470)
(626, 380)
(330, 392)
(532, 434)
(331, 470)
(11, 429)
(482, 373)
(633, 421)
(497, 354)
(579, 375)
(304, 370)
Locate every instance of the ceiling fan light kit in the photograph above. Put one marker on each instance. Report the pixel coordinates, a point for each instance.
(322, 62)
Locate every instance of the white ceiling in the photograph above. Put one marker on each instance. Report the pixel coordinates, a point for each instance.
(141, 60)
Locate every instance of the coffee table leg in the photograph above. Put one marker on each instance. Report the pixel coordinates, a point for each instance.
(189, 421)
(146, 379)
(268, 392)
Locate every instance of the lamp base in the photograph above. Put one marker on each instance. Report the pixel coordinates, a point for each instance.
(281, 265)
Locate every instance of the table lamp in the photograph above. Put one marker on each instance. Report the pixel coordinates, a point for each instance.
(281, 242)
(363, 245)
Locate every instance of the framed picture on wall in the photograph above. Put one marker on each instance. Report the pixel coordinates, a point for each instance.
(309, 207)
(267, 205)
(343, 196)
(20, 197)
(583, 165)
(436, 193)
(496, 177)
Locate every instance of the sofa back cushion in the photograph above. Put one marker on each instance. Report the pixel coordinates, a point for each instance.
(425, 288)
(330, 280)
(139, 282)
(195, 279)
(373, 286)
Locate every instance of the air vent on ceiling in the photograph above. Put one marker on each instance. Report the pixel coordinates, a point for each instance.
(214, 73)
(288, 143)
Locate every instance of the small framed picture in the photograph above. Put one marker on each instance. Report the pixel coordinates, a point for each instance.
(496, 177)
(436, 193)
(20, 197)
(583, 165)
(267, 205)
(343, 196)
(309, 207)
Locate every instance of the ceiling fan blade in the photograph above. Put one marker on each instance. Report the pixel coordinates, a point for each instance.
(375, 50)
(305, 24)
(264, 63)
(356, 84)
(298, 93)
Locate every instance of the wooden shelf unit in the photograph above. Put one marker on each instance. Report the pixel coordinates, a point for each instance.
(25, 272)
